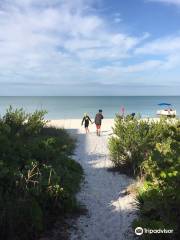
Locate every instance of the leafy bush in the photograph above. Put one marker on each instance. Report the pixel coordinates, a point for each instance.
(151, 150)
(130, 143)
(38, 179)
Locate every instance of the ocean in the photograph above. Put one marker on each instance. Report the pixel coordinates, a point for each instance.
(74, 107)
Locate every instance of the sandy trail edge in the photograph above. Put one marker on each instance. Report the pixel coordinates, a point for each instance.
(110, 212)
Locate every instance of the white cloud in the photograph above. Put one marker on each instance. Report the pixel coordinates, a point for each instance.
(172, 62)
(144, 66)
(117, 19)
(166, 48)
(56, 39)
(166, 45)
(139, 67)
(61, 42)
(174, 2)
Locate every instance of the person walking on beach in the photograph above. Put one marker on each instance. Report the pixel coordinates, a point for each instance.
(86, 119)
(98, 121)
(122, 111)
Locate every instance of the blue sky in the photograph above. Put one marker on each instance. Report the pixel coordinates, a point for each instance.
(89, 47)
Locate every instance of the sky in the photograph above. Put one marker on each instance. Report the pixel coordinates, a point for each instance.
(89, 47)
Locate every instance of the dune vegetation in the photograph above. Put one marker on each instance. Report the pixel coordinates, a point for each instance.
(150, 151)
(38, 177)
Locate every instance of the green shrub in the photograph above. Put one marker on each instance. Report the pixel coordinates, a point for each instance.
(160, 197)
(151, 150)
(38, 178)
(130, 143)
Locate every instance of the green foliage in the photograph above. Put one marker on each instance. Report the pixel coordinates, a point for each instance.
(38, 179)
(130, 143)
(151, 150)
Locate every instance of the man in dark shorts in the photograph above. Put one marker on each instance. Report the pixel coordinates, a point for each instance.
(86, 120)
(98, 121)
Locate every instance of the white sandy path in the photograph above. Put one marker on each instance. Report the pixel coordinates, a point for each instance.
(110, 212)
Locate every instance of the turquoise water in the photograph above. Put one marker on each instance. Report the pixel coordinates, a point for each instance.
(74, 107)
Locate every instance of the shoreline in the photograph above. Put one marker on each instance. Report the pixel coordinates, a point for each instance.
(107, 123)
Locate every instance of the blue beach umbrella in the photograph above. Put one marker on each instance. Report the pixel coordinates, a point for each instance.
(164, 104)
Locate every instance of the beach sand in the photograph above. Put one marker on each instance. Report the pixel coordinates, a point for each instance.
(107, 124)
(110, 211)
(76, 124)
